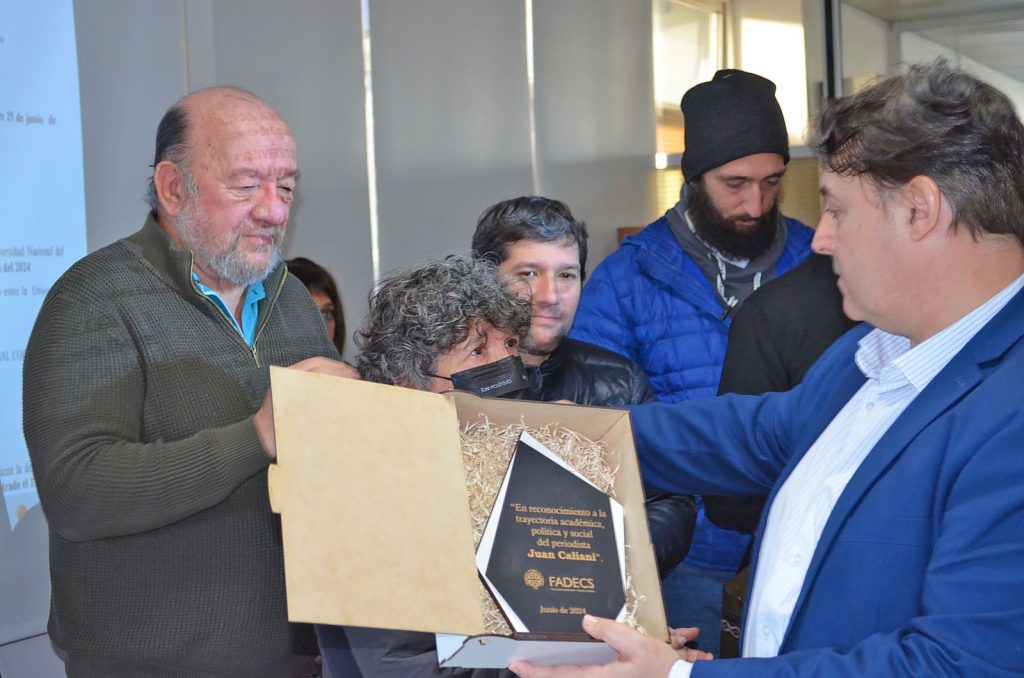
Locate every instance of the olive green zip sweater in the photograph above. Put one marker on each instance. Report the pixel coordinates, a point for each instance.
(165, 558)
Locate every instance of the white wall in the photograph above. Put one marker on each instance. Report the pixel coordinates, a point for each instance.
(595, 113)
(915, 48)
(865, 42)
(131, 68)
(452, 120)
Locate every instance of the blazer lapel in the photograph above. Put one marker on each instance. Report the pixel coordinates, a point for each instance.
(951, 384)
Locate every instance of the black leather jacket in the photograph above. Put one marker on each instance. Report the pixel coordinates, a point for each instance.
(591, 375)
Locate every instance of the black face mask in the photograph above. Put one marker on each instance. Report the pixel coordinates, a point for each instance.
(505, 378)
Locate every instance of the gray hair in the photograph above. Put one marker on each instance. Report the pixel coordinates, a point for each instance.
(418, 315)
(939, 122)
(533, 218)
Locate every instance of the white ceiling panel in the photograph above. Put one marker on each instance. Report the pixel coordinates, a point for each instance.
(990, 32)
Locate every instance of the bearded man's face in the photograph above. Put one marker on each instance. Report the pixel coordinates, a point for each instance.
(734, 207)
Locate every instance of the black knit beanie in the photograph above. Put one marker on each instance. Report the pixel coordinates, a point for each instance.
(733, 116)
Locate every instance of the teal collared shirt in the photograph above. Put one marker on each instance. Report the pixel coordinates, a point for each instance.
(250, 307)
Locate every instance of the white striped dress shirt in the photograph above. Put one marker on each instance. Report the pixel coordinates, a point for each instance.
(895, 374)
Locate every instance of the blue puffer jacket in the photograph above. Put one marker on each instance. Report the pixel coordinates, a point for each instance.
(649, 302)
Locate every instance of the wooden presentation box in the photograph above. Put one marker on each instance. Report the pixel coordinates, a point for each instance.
(371, 488)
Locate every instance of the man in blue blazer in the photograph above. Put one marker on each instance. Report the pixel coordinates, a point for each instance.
(893, 540)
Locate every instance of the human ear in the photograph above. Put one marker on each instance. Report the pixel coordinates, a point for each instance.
(923, 197)
(169, 181)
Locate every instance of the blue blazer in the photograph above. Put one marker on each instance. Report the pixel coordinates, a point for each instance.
(920, 567)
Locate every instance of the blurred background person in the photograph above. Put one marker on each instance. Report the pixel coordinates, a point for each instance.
(322, 287)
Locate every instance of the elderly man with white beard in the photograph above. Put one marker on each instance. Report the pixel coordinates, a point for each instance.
(148, 417)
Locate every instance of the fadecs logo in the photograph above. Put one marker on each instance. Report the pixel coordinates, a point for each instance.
(571, 583)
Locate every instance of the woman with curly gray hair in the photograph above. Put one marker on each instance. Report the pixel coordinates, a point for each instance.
(428, 323)
(425, 327)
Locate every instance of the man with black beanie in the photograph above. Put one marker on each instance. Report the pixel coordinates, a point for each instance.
(665, 299)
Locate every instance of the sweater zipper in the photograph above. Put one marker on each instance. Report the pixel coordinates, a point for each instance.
(231, 326)
(266, 316)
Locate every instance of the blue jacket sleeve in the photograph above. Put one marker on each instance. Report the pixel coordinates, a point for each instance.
(731, 445)
(602, 318)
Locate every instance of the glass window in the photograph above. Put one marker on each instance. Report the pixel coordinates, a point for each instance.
(688, 49)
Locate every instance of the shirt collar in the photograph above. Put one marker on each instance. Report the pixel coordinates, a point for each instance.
(256, 291)
(879, 353)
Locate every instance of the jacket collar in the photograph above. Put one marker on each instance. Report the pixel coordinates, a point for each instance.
(661, 257)
(540, 374)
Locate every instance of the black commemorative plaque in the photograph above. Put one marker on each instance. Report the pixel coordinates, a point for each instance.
(555, 554)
